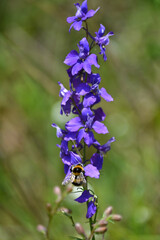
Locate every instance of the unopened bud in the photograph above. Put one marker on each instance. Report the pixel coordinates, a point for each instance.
(80, 229)
(116, 217)
(102, 223)
(66, 211)
(100, 230)
(108, 211)
(41, 229)
(69, 188)
(49, 207)
(57, 190)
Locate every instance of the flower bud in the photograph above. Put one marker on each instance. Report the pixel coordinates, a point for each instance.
(116, 217)
(57, 190)
(49, 207)
(65, 210)
(41, 229)
(102, 223)
(100, 230)
(108, 211)
(80, 229)
(69, 188)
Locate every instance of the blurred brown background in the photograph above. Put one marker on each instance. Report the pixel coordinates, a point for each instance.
(34, 41)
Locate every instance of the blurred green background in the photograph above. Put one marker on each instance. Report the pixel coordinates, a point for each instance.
(34, 41)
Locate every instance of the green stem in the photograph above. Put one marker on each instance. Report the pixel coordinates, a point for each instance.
(86, 29)
(52, 213)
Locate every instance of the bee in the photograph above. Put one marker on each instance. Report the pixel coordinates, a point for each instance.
(76, 175)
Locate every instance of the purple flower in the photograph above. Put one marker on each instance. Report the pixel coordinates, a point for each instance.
(92, 208)
(102, 41)
(106, 147)
(85, 196)
(68, 98)
(86, 122)
(81, 60)
(82, 14)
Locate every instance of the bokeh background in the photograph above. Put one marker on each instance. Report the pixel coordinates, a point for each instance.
(34, 41)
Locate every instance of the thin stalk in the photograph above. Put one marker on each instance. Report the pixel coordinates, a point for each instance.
(87, 33)
(51, 214)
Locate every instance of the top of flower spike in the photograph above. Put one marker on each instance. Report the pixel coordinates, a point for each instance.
(81, 15)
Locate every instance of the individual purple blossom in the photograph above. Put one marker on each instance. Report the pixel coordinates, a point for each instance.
(81, 15)
(81, 60)
(86, 122)
(92, 208)
(102, 40)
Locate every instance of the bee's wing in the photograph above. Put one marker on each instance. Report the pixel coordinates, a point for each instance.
(83, 177)
(68, 178)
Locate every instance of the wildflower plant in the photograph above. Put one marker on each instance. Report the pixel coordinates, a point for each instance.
(79, 133)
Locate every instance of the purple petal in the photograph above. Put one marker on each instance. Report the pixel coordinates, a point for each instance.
(84, 7)
(71, 58)
(89, 100)
(101, 30)
(91, 209)
(74, 124)
(105, 95)
(88, 138)
(71, 19)
(83, 89)
(66, 168)
(99, 127)
(77, 25)
(59, 131)
(75, 158)
(92, 60)
(64, 147)
(107, 146)
(87, 66)
(63, 90)
(91, 171)
(66, 159)
(80, 135)
(84, 197)
(84, 46)
(90, 14)
(86, 112)
(99, 114)
(70, 136)
(97, 160)
(76, 68)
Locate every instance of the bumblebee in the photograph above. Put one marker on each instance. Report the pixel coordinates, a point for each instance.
(76, 176)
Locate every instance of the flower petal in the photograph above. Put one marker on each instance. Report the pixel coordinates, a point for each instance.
(91, 171)
(89, 100)
(99, 114)
(60, 132)
(71, 58)
(74, 124)
(92, 60)
(83, 88)
(88, 138)
(77, 25)
(84, 197)
(99, 127)
(105, 95)
(91, 209)
(71, 19)
(76, 68)
(97, 160)
(90, 13)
